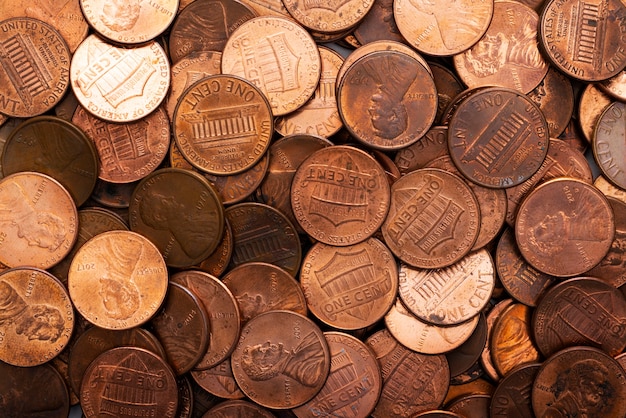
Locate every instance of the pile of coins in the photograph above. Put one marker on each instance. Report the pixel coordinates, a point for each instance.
(384, 208)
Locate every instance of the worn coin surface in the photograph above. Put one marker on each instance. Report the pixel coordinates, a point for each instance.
(328, 16)
(512, 395)
(378, 24)
(555, 97)
(432, 145)
(217, 262)
(615, 86)
(463, 359)
(238, 408)
(218, 380)
(608, 140)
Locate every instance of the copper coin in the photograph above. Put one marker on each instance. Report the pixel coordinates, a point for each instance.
(609, 189)
(433, 220)
(465, 356)
(584, 40)
(448, 86)
(508, 53)
(35, 62)
(218, 380)
(412, 382)
(36, 317)
(485, 357)
(278, 56)
(129, 381)
(119, 84)
(185, 397)
(55, 147)
(440, 28)
(262, 287)
(564, 227)
(512, 395)
(400, 94)
(114, 195)
(437, 414)
(353, 384)
(591, 103)
(471, 406)
(284, 366)
(581, 311)
(498, 137)
(579, 380)
(205, 25)
(130, 151)
(202, 400)
(217, 262)
(340, 195)
(32, 391)
(479, 385)
(129, 22)
(330, 16)
(180, 212)
(555, 97)
(608, 140)
(223, 124)
(573, 136)
(118, 280)
(456, 101)
(349, 287)
(432, 145)
(222, 310)
(378, 24)
(267, 7)
(263, 234)
(39, 220)
(239, 408)
(615, 86)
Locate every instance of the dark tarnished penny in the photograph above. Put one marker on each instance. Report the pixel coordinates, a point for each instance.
(512, 395)
(581, 311)
(349, 287)
(185, 397)
(579, 380)
(432, 145)
(218, 380)
(129, 381)
(217, 263)
(555, 97)
(564, 227)
(354, 382)
(238, 408)
(262, 287)
(36, 317)
(55, 147)
(433, 220)
(263, 234)
(114, 195)
(498, 137)
(378, 24)
(284, 366)
(67, 106)
(222, 310)
(328, 16)
(573, 136)
(609, 142)
(202, 400)
(471, 406)
(465, 356)
(39, 220)
(180, 212)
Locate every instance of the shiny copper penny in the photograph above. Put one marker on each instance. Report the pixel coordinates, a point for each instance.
(493, 313)
(498, 137)
(222, 310)
(555, 97)
(584, 40)
(340, 195)
(129, 381)
(223, 124)
(471, 406)
(217, 262)
(218, 380)
(284, 366)
(39, 220)
(433, 220)
(591, 103)
(564, 227)
(180, 212)
(615, 86)
(36, 317)
(412, 382)
(239, 408)
(35, 67)
(127, 151)
(440, 28)
(262, 287)
(118, 280)
(579, 379)
(119, 84)
(512, 395)
(508, 53)
(432, 145)
(608, 140)
(349, 287)
(464, 358)
(354, 382)
(378, 24)
(55, 147)
(278, 56)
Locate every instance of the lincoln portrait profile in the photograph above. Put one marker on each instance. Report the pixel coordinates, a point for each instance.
(119, 15)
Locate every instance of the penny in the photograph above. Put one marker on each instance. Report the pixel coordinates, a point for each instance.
(239, 408)
(471, 406)
(579, 379)
(440, 28)
(113, 195)
(508, 53)
(465, 356)
(433, 220)
(610, 131)
(456, 101)
(205, 25)
(331, 16)
(217, 262)
(609, 189)
(281, 367)
(267, 7)
(448, 86)
(278, 56)
(31, 391)
(437, 414)
(340, 195)
(580, 311)
(584, 40)
(223, 124)
(479, 385)
(378, 24)
(512, 395)
(39, 220)
(353, 384)
(615, 86)
(127, 151)
(118, 280)
(555, 97)
(349, 287)
(119, 84)
(55, 147)
(412, 382)
(261, 287)
(498, 137)
(185, 397)
(202, 400)
(129, 381)
(222, 311)
(591, 103)
(485, 357)
(564, 219)
(433, 144)
(180, 212)
(61, 367)
(572, 136)
(218, 380)
(36, 316)
(5, 130)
